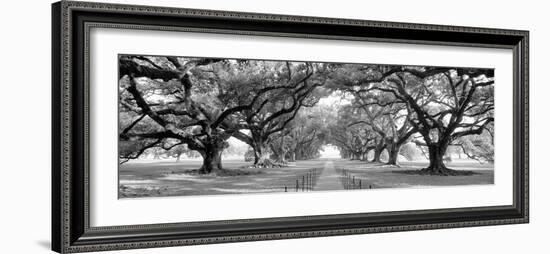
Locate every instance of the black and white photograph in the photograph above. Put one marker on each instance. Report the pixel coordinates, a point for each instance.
(192, 126)
(275, 127)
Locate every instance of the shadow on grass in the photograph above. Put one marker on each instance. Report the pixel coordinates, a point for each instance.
(449, 172)
(224, 172)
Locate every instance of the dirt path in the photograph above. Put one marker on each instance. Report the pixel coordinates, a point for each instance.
(329, 179)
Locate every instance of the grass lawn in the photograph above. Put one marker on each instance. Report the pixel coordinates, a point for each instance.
(379, 175)
(169, 178)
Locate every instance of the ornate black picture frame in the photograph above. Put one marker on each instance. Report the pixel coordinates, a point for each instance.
(71, 230)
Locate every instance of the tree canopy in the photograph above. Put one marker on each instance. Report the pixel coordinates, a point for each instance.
(182, 105)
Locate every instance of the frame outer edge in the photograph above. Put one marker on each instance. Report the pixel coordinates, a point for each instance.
(188, 12)
(66, 108)
(62, 98)
(526, 137)
(56, 129)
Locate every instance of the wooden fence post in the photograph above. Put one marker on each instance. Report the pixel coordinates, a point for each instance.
(311, 179)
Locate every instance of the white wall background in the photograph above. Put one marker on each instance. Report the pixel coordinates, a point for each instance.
(25, 126)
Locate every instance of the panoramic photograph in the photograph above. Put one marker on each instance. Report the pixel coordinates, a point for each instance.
(191, 126)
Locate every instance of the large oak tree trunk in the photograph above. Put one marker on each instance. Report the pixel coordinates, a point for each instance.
(393, 153)
(292, 156)
(377, 152)
(437, 164)
(212, 160)
(364, 156)
(212, 155)
(261, 152)
(282, 157)
(261, 157)
(282, 153)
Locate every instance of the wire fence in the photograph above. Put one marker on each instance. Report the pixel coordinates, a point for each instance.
(352, 182)
(303, 182)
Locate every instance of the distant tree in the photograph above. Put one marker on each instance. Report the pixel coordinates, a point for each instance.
(291, 86)
(409, 151)
(353, 138)
(374, 118)
(390, 121)
(386, 115)
(307, 133)
(178, 151)
(236, 149)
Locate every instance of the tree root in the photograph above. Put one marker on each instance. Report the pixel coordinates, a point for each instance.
(269, 164)
(386, 165)
(438, 172)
